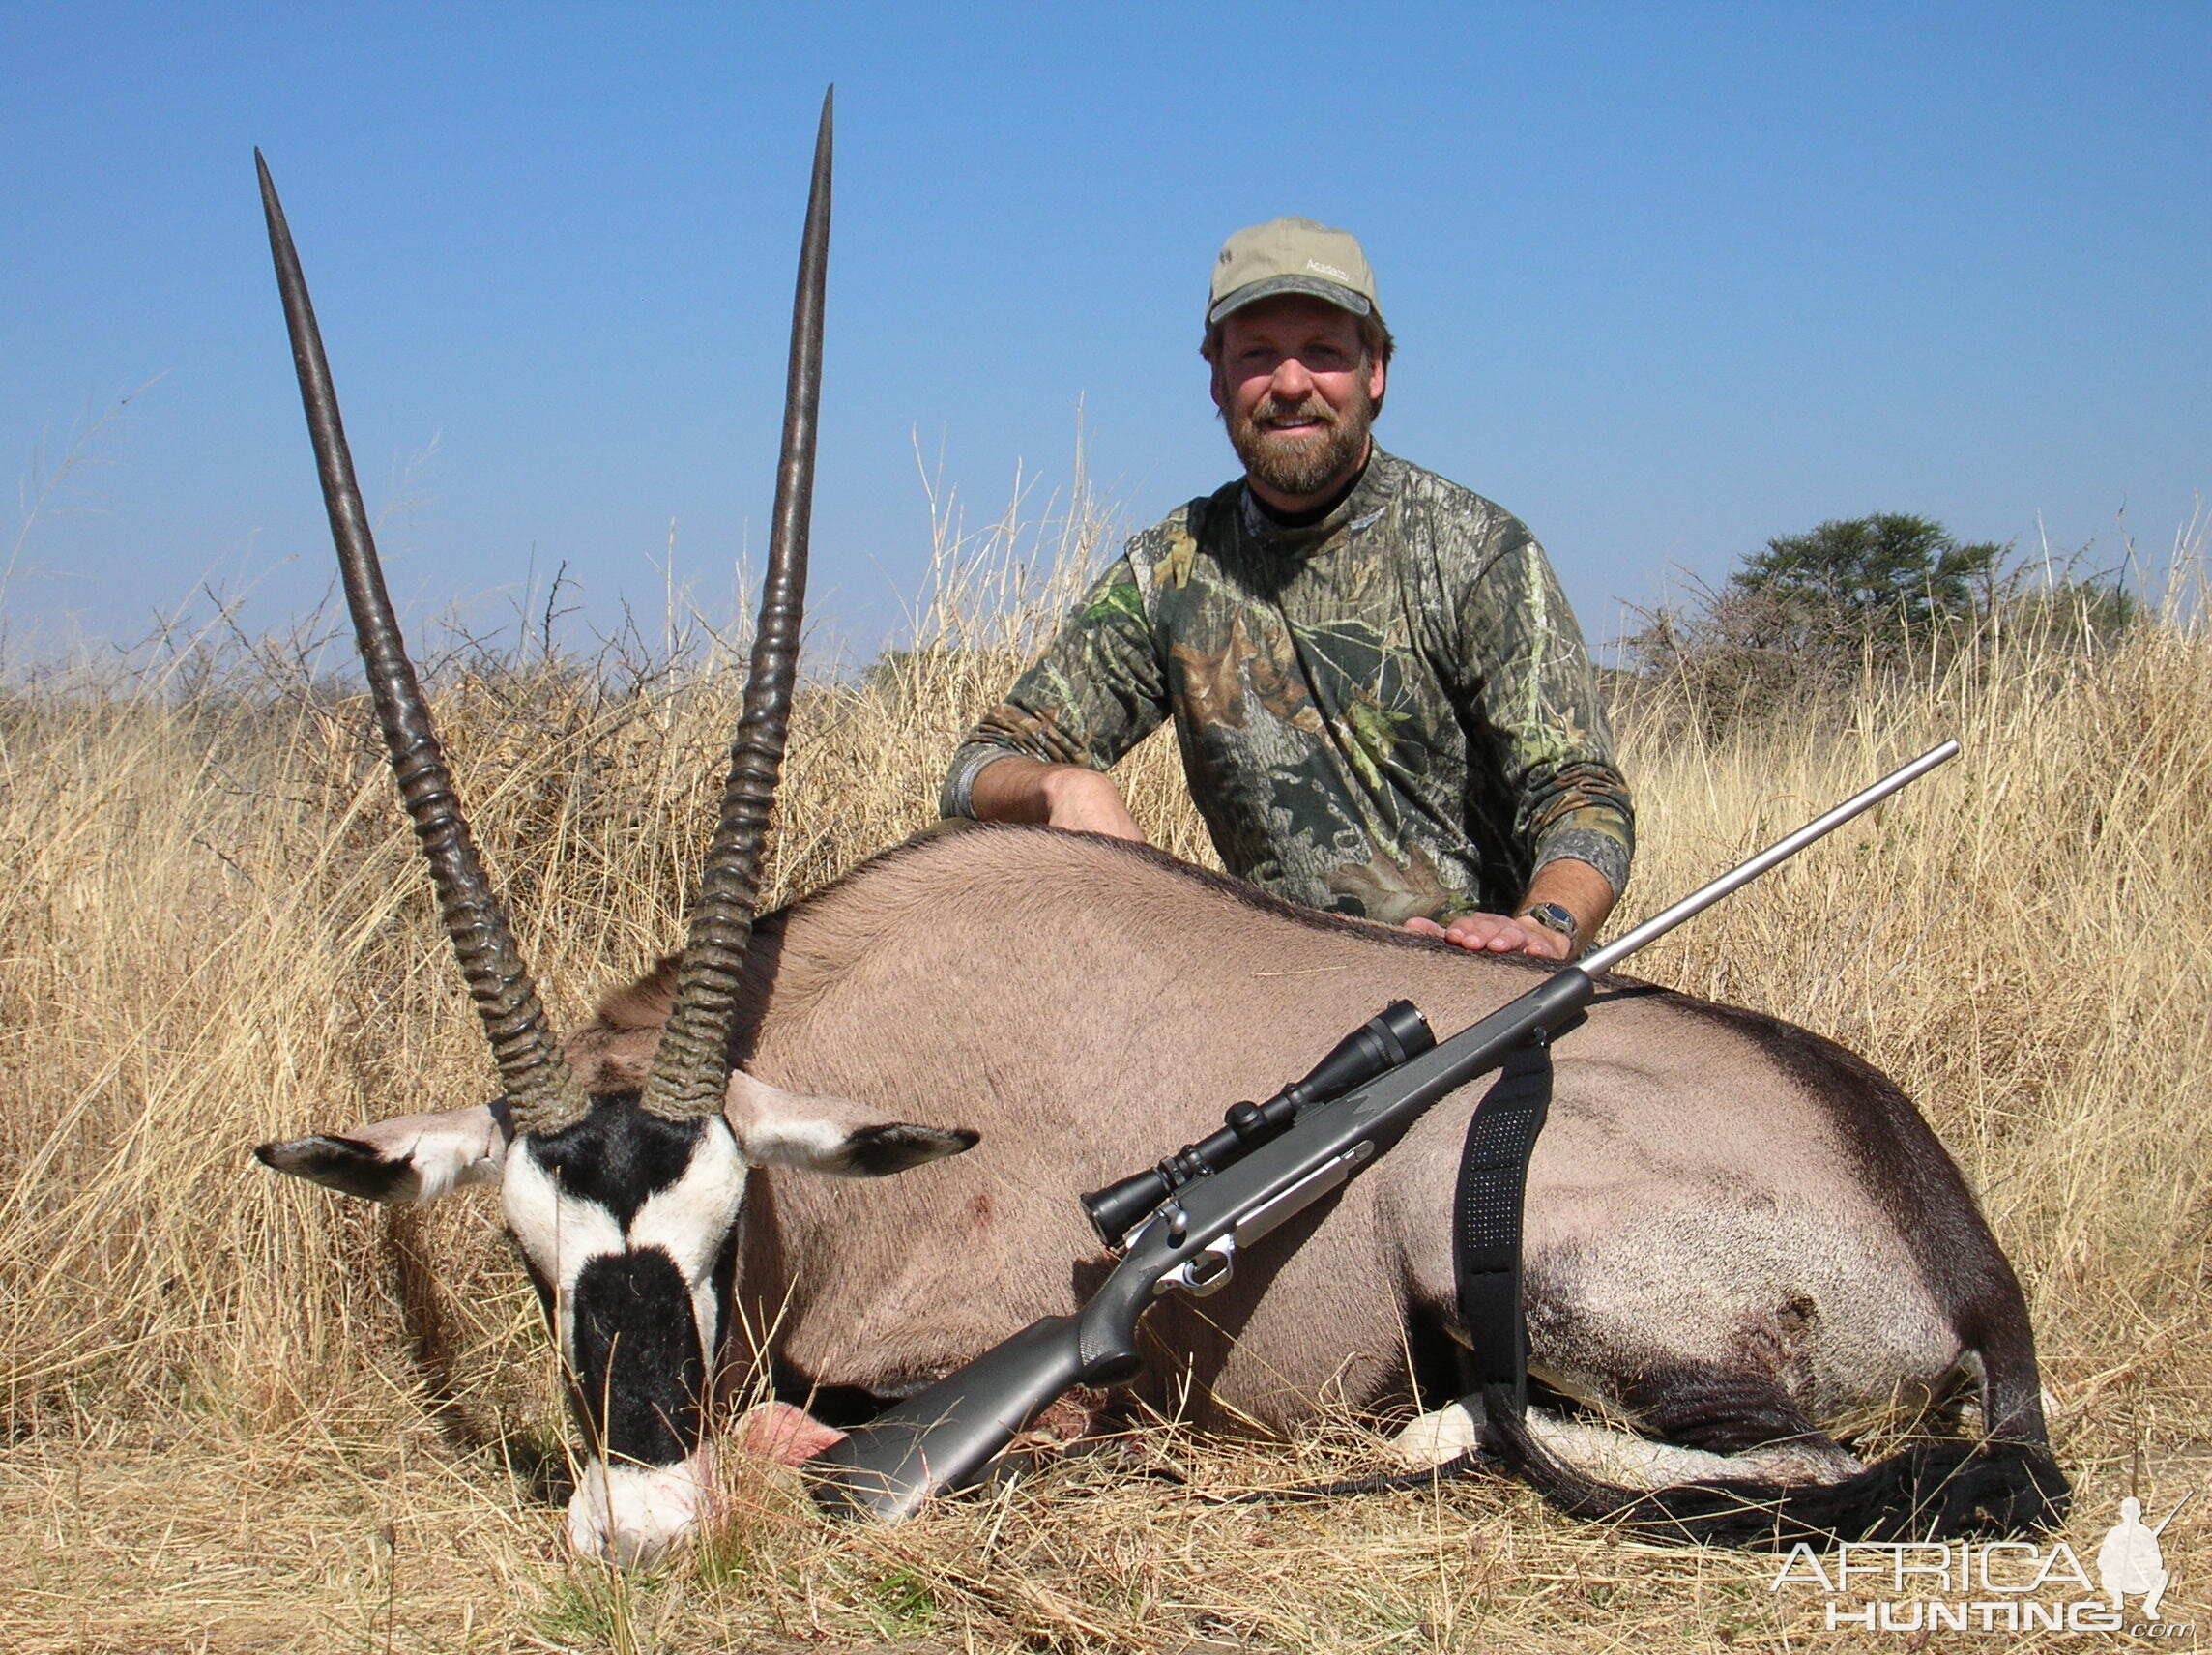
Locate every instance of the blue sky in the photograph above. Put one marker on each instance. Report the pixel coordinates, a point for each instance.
(1667, 280)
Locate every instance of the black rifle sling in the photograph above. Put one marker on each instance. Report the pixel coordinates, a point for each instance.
(1486, 1263)
(1486, 1219)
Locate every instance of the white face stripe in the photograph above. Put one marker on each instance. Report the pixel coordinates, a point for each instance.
(687, 1219)
(561, 1233)
(707, 1313)
(690, 1217)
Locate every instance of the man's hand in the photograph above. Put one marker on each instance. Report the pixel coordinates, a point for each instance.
(1498, 934)
(1576, 886)
(1020, 788)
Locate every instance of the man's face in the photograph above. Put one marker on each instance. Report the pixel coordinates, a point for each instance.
(1298, 395)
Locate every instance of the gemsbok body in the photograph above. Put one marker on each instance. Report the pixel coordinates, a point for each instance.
(1741, 1238)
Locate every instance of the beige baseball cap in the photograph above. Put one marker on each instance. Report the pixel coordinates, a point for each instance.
(1291, 255)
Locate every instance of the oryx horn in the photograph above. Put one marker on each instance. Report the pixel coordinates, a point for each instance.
(691, 1067)
(543, 1090)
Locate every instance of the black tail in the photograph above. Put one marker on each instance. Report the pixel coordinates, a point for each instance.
(1937, 1489)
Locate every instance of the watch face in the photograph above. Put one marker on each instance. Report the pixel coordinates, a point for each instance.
(1553, 918)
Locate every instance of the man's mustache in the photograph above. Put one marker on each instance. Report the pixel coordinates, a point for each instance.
(1313, 408)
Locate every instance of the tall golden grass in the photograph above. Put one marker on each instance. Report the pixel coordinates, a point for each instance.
(243, 1415)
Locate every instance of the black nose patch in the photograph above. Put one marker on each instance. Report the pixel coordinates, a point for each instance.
(640, 1373)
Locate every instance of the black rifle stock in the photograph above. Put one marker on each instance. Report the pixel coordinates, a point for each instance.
(943, 1438)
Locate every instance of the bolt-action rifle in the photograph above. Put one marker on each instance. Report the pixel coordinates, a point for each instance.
(1180, 1224)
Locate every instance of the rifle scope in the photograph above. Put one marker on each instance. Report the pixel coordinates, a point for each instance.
(1396, 1034)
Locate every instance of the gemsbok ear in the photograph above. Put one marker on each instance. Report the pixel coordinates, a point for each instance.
(408, 1158)
(833, 1135)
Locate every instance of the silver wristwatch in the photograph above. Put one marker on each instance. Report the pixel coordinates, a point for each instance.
(1553, 916)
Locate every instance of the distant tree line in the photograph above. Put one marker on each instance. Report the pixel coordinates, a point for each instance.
(1854, 594)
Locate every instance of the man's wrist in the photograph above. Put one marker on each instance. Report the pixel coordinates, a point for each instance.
(1012, 787)
(1580, 887)
(1553, 916)
(957, 797)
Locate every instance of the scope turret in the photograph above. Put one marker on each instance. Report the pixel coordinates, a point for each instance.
(1394, 1035)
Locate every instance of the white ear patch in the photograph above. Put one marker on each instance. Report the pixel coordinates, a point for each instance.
(449, 1152)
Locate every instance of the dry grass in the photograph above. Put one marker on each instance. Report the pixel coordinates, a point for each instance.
(243, 1415)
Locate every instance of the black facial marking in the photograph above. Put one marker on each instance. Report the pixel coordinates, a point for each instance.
(343, 1164)
(618, 1155)
(874, 1151)
(640, 1373)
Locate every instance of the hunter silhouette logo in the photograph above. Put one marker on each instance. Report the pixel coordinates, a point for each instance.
(2129, 1563)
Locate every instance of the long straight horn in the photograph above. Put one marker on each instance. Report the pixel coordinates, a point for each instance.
(693, 1066)
(543, 1092)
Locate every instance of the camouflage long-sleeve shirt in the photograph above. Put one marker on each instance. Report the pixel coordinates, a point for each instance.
(1389, 713)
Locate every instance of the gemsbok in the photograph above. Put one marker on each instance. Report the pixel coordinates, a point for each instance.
(1739, 1237)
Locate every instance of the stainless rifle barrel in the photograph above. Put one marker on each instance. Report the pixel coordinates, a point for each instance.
(1743, 872)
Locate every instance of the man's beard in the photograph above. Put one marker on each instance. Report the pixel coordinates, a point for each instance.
(1302, 463)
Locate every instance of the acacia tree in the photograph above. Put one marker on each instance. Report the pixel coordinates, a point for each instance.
(1816, 609)
(1813, 610)
(1859, 580)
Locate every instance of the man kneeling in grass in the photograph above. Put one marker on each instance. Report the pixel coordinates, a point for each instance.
(1384, 703)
